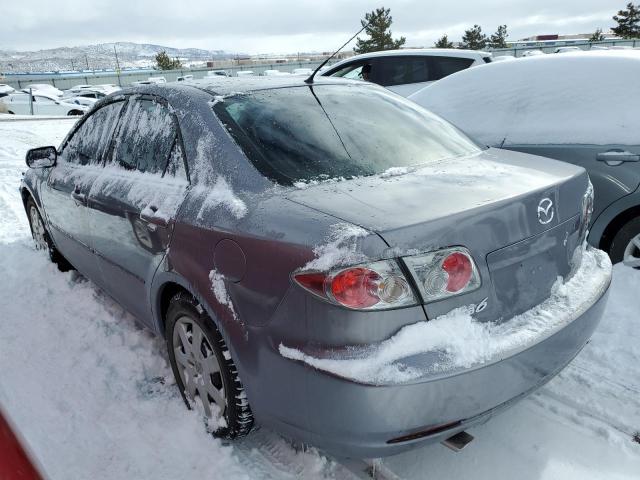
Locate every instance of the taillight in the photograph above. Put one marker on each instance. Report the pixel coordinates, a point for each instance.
(444, 273)
(374, 286)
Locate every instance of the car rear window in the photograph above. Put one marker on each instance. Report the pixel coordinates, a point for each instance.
(331, 131)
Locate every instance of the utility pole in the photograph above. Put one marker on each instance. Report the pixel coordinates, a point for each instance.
(72, 67)
(117, 64)
(86, 59)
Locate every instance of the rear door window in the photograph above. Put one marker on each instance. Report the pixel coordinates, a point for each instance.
(444, 66)
(146, 137)
(91, 140)
(391, 71)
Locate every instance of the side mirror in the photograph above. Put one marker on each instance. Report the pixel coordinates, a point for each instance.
(42, 157)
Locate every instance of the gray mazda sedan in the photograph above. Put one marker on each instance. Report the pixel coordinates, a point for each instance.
(328, 259)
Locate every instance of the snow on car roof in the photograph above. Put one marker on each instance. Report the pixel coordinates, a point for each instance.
(574, 98)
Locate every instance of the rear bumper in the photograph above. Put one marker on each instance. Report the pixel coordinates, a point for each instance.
(362, 420)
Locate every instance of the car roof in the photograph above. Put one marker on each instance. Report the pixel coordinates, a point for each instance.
(417, 52)
(543, 99)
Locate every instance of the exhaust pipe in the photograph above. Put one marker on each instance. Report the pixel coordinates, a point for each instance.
(458, 441)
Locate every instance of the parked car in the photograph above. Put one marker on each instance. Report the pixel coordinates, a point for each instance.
(245, 73)
(562, 107)
(532, 53)
(291, 263)
(94, 94)
(43, 88)
(107, 88)
(43, 104)
(5, 90)
(185, 78)
(217, 73)
(302, 71)
(407, 71)
(86, 100)
(567, 49)
(157, 79)
(274, 73)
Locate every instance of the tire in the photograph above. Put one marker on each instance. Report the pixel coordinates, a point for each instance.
(42, 239)
(625, 246)
(210, 364)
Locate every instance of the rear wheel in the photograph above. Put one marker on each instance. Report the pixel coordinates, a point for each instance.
(42, 239)
(204, 370)
(625, 246)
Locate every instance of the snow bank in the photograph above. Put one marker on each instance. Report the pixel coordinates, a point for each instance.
(340, 248)
(583, 97)
(462, 342)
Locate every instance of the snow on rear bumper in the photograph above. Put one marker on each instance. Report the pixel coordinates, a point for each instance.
(455, 343)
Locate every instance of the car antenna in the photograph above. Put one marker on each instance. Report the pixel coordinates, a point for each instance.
(310, 79)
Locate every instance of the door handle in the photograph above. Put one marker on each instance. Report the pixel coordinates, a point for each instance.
(614, 158)
(79, 197)
(150, 216)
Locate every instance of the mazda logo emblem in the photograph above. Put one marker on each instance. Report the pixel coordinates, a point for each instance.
(545, 211)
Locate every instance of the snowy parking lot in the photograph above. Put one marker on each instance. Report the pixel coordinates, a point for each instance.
(93, 395)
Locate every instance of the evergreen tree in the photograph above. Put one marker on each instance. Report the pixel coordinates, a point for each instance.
(597, 36)
(499, 39)
(474, 39)
(628, 22)
(377, 27)
(163, 62)
(443, 42)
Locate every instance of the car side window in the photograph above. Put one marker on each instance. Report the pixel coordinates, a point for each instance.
(353, 71)
(43, 100)
(90, 141)
(146, 137)
(444, 66)
(401, 70)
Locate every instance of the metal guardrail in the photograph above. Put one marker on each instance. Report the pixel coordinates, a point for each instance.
(125, 78)
(550, 46)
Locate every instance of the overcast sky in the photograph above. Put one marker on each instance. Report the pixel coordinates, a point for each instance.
(282, 26)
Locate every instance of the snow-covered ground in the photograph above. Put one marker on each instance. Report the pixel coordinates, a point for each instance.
(93, 395)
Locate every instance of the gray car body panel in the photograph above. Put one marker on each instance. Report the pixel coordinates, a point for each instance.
(259, 252)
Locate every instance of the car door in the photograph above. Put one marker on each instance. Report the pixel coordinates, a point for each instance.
(64, 196)
(614, 170)
(19, 104)
(134, 201)
(46, 106)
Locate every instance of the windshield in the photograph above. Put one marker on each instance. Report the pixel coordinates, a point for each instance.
(336, 131)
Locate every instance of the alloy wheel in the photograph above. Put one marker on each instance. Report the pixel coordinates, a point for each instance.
(631, 255)
(198, 367)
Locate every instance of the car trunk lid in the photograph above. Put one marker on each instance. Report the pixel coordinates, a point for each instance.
(490, 203)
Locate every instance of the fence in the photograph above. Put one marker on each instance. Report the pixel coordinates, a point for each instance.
(550, 46)
(125, 78)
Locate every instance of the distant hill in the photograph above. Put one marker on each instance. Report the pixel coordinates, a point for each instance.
(99, 56)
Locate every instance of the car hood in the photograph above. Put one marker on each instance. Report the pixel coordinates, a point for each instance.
(494, 194)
